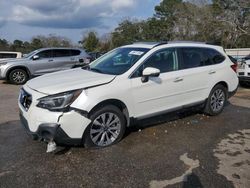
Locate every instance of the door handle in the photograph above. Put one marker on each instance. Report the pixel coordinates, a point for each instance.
(212, 72)
(178, 79)
(50, 60)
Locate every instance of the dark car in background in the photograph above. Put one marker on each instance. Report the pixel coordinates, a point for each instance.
(95, 55)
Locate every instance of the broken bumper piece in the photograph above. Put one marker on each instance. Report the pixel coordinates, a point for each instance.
(67, 131)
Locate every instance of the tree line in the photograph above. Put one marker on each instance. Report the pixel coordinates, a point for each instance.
(222, 22)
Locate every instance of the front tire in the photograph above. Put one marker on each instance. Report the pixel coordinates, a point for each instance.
(216, 100)
(18, 76)
(107, 127)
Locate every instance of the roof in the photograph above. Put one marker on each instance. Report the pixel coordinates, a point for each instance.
(151, 45)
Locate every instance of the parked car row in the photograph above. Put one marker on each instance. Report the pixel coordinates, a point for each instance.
(42, 61)
(94, 105)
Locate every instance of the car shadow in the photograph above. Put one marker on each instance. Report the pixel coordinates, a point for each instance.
(167, 117)
(163, 118)
(192, 181)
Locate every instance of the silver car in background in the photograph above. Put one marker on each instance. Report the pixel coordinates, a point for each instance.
(42, 61)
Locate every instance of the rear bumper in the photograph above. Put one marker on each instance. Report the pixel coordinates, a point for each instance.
(244, 78)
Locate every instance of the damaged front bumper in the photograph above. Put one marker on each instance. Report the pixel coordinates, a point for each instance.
(65, 128)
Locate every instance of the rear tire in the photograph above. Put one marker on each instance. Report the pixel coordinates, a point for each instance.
(107, 127)
(216, 100)
(18, 76)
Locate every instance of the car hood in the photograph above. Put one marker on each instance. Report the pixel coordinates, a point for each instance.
(63, 81)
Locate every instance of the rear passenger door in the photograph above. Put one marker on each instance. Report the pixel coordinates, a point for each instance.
(62, 59)
(197, 69)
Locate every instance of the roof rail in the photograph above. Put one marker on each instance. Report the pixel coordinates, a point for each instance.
(160, 43)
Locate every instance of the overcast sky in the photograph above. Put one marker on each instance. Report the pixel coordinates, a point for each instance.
(22, 19)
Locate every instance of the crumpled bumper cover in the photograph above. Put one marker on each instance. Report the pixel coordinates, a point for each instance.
(65, 132)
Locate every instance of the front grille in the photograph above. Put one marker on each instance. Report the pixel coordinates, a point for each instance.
(25, 99)
(241, 73)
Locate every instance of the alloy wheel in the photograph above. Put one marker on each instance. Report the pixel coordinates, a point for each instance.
(105, 129)
(217, 100)
(18, 77)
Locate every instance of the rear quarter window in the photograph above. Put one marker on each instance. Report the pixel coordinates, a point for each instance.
(214, 56)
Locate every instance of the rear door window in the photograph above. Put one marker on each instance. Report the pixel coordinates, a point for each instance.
(75, 52)
(191, 57)
(61, 53)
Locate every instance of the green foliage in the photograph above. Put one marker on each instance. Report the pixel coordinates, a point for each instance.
(224, 22)
(35, 43)
(90, 41)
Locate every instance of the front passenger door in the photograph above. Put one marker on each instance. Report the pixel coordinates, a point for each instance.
(42, 64)
(161, 93)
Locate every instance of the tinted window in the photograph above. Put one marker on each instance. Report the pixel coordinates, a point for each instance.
(45, 54)
(75, 52)
(164, 60)
(214, 56)
(191, 57)
(61, 53)
(197, 57)
(8, 55)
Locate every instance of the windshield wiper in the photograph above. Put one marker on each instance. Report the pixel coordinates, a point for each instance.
(87, 67)
(96, 70)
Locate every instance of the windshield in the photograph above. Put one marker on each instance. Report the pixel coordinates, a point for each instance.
(30, 54)
(117, 61)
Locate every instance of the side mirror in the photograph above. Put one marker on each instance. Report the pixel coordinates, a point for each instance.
(35, 57)
(149, 72)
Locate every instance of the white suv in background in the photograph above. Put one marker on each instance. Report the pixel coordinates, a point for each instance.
(9, 55)
(244, 71)
(94, 105)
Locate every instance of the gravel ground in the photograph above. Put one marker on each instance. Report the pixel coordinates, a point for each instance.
(186, 149)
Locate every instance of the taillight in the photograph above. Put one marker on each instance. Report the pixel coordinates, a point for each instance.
(234, 67)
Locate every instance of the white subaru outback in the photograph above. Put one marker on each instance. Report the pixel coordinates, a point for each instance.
(95, 104)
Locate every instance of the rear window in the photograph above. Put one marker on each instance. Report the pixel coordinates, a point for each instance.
(8, 55)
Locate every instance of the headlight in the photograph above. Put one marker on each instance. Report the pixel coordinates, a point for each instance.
(59, 101)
